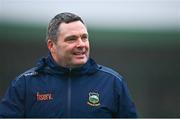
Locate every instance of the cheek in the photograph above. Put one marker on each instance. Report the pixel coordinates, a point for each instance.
(58, 50)
(64, 50)
(87, 44)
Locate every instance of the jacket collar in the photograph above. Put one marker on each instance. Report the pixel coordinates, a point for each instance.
(48, 65)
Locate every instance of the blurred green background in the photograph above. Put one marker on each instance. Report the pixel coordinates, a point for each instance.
(148, 57)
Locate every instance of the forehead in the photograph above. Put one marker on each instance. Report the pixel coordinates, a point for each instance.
(72, 28)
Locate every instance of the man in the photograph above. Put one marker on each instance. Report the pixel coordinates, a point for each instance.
(68, 83)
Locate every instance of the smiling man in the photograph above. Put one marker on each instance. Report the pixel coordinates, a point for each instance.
(71, 49)
(67, 83)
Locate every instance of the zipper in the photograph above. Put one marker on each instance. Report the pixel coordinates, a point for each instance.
(69, 95)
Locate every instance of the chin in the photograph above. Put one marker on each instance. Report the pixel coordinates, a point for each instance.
(80, 62)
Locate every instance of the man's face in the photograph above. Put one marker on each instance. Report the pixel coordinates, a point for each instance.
(72, 46)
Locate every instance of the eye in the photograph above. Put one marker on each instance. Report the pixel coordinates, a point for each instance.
(84, 37)
(71, 39)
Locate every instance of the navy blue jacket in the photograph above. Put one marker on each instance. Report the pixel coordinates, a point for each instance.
(50, 90)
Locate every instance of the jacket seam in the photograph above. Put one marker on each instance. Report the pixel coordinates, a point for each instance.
(111, 73)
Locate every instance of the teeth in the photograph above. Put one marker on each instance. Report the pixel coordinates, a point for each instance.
(79, 53)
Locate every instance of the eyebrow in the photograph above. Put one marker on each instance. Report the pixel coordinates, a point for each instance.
(71, 36)
(74, 36)
(85, 34)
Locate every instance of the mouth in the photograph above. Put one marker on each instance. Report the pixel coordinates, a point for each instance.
(79, 53)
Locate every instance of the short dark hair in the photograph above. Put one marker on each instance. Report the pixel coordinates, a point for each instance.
(53, 26)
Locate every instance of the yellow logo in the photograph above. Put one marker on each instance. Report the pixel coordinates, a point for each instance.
(93, 99)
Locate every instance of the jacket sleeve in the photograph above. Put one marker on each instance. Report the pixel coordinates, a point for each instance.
(12, 104)
(126, 107)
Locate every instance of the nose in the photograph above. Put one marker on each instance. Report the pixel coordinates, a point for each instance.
(80, 43)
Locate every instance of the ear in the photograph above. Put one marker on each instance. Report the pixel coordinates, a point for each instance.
(51, 46)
